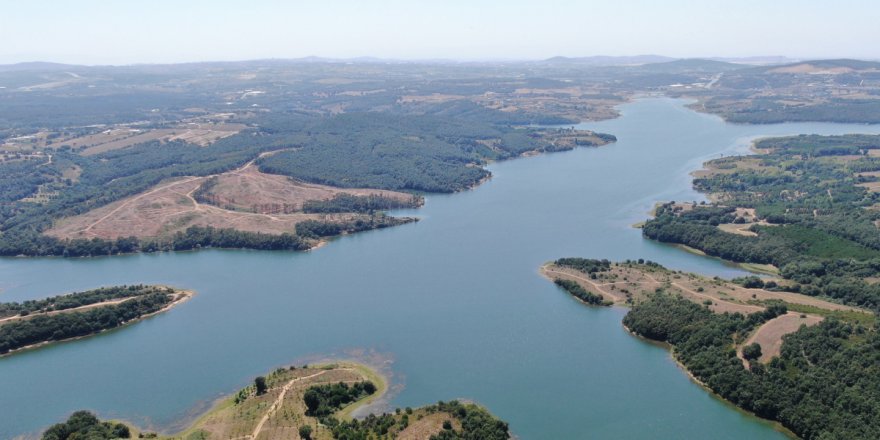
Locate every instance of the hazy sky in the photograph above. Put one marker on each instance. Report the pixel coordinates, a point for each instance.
(151, 31)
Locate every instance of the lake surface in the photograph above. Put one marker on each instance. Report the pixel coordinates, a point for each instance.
(455, 301)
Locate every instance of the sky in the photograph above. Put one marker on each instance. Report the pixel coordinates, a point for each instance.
(166, 31)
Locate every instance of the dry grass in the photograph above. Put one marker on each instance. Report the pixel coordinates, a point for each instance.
(871, 186)
(738, 229)
(769, 336)
(424, 428)
(245, 189)
(201, 134)
(734, 164)
(807, 68)
(631, 284)
(277, 414)
(435, 98)
(634, 283)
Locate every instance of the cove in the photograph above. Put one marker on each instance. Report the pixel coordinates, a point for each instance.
(454, 300)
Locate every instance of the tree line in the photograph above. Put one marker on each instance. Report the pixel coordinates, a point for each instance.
(822, 386)
(52, 328)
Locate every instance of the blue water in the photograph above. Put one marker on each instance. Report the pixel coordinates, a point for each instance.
(454, 301)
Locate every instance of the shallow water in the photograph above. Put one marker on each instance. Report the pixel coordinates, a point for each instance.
(454, 300)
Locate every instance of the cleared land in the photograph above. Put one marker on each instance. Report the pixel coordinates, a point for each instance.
(630, 283)
(280, 412)
(428, 426)
(171, 207)
(769, 336)
(123, 137)
(251, 190)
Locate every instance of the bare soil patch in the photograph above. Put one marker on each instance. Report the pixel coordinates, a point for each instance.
(201, 134)
(251, 190)
(280, 412)
(170, 207)
(627, 284)
(428, 426)
(871, 186)
(769, 336)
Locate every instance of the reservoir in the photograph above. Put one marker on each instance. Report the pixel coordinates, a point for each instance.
(453, 304)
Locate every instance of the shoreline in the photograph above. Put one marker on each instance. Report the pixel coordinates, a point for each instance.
(226, 401)
(324, 240)
(671, 350)
(182, 297)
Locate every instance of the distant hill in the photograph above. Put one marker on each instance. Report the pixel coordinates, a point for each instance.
(691, 65)
(757, 61)
(34, 66)
(825, 67)
(603, 60)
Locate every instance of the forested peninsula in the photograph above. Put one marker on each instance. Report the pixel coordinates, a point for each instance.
(806, 362)
(808, 208)
(34, 323)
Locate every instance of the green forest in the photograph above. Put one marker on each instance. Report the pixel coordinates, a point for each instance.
(35, 328)
(77, 299)
(429, 152)
(818, 226)
(83, 425)
(476, 423)
(824, 385)
(582, 294)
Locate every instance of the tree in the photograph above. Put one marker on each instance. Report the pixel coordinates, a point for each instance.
(260, 385)
(312, 400)
(752, 351)
(305, 432)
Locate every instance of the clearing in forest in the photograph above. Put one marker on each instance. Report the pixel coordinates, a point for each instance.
(630, 283)
(244, 199)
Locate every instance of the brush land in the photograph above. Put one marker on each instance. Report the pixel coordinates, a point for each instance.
(309, 403)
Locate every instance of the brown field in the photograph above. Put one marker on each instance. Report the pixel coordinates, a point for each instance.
(769, 336)
(729, 166)
(280, 412)
(244, 189)
(201, 134)
(206, 134)
(427, 426)
(635, 282)
(435, 98)
(631, 283)
(738, 229)
(871, 186)
(277, 414)
(170, 207)
(811, 69)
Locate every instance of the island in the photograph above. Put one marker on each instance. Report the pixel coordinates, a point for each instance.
(310, 402)
(36, 323)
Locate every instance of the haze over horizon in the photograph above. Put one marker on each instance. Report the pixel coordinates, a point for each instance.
(107, 32)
